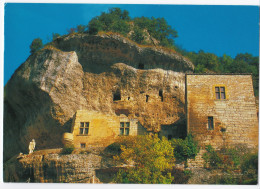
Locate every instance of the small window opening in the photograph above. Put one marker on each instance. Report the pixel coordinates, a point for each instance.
(117, 96)
(147, 98)
(84, 128)
(83, 145)
(141, 66)
(124, 128)
(128, 98)
(161, 95)
(220, 92)
(210, 123)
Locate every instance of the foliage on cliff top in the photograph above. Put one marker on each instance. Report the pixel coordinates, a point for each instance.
(137, 29)
(152, 160)
(146, 31)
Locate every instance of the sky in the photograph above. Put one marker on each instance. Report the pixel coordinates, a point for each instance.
(216, 29)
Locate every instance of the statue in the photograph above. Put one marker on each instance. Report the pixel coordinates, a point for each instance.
(32, 146)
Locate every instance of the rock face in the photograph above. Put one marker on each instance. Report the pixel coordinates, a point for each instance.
(50, 166)
(43, 95)
(97, 53)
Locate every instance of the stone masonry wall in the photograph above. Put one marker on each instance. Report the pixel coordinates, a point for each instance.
(235, 118)
(103, 129)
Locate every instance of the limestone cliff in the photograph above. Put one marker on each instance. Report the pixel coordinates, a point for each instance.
(83, 72)
(51, 166)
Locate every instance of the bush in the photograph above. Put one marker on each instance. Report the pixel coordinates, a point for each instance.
(67, 149)
(36, 45)
(55, 36)
(213, 158)
(185, 149)
(233, 161)
(114, 148)
(149, 161)
(180, 176)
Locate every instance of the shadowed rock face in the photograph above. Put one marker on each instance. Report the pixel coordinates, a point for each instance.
(44, 93)
(97, 53)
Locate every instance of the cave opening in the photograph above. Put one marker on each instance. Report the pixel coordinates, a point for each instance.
(147, 98)
(161, 94)
(141, 66)
(117, 96)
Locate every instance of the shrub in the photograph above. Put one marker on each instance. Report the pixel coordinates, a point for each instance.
(81, 28)
(249, 168)
(68, 149)
(55, 36)
(185, 149)
(36, 45)
(151, 158)
(212, 157)
(180, 176)
(114, 148)
(250, 163)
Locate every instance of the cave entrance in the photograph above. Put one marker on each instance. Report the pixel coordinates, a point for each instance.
(161, 94)
(141, 66)
(147, 98)
(117, 96)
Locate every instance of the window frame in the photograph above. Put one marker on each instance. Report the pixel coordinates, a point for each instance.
(84, 128)
(210, 125)
(220, 92)
(83, 145)
(124, 129)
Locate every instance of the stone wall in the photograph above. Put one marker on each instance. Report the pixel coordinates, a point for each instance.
(103, 128)
(198, 162)
(234, 118)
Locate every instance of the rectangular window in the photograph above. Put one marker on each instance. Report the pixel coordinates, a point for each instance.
(84, 128)
(124, 128)
(210, 123)
(220, 93)
(82, 145)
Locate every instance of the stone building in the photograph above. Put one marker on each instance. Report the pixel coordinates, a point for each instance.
(95, 129)
(221, 109)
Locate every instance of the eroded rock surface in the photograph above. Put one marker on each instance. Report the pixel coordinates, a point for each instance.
(43, 95)
(51, 166)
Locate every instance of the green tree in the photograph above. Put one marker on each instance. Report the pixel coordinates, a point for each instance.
(119, 21)
(185, 149)
(36, 45)
(153, 160)
(138, 35)
(71, 30)
(55, 36)
(80, 28)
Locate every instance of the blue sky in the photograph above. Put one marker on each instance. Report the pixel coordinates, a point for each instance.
(217, 29)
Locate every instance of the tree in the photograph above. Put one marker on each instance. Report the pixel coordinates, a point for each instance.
(185, 149)
(55, 36)
(36, 45)
(81, 28)
(153, 161)
(119, 21)
(71, 30)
